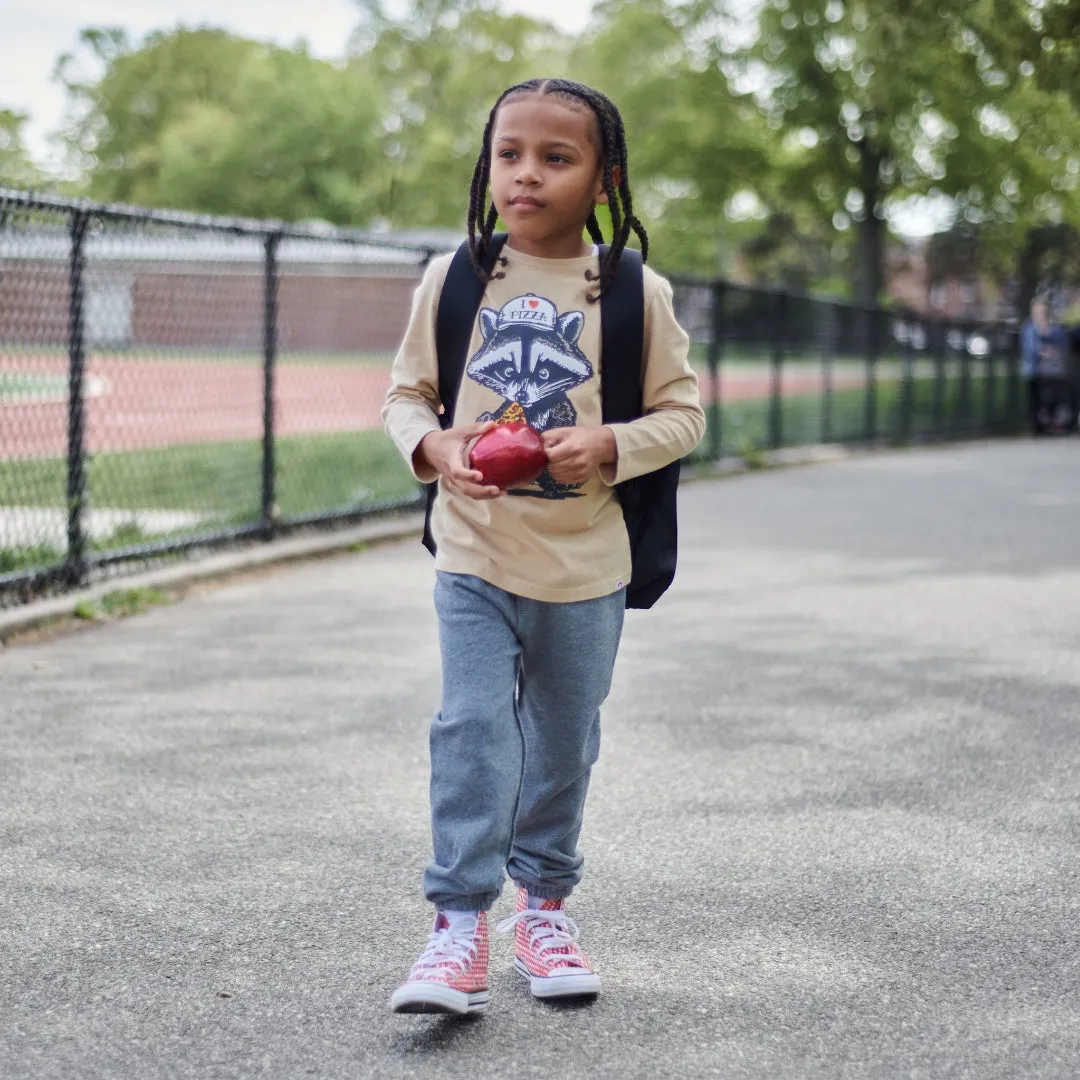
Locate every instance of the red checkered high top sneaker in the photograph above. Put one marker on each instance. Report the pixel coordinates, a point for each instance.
(547, 952)
(452, 974)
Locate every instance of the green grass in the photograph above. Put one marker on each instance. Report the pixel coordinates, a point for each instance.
(746, 425)
(28, 558)
(221, 482)
(224, 480)
(24, 384)
(316, 473)
(738, 353)
(120, 604)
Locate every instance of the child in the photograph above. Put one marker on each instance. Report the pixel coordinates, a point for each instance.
(530, 583)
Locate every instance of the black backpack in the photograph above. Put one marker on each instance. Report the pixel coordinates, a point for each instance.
(648, 502)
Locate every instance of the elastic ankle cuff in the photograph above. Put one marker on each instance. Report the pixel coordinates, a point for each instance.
(477, 902)
(545, 892)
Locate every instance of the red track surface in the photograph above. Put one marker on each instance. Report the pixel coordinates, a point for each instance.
(148, 403)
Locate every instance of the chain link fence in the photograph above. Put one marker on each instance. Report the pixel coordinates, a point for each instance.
(171, 383)
(780, 370)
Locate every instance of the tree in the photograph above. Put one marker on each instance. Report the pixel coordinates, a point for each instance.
(17, 169)
(439, 68)
(299, 142)
(1049, 260)
(119, 118)
(877, 104)
(203, 120)
(693, 145)
(1037, 46)
(1038, 38)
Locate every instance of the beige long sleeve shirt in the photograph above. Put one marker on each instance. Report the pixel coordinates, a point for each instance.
(535, 356)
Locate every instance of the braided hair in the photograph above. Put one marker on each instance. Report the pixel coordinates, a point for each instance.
(482, 218)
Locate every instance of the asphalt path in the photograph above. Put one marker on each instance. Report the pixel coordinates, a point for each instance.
(834, 832)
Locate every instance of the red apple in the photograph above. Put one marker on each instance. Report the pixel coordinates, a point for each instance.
(509, 455)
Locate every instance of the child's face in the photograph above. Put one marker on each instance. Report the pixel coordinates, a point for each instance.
(546, 174)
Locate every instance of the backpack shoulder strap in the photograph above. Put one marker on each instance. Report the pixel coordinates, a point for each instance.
(648, 501)
(459, 302)
(622, 340)
(455, 317)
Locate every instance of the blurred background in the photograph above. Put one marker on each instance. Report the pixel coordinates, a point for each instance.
(927, 152)
(857, 202)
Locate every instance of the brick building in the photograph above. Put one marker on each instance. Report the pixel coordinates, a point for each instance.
(910, 283)
(207, 292)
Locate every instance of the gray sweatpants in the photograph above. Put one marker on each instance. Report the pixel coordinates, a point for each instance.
(516, 738)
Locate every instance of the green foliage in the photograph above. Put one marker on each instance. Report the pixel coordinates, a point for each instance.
(120, 118)
(120, 604)
(28, 558)
(297, 143)
(86, 610)
(692, 143)
(439, 68)
(753, 457)
(126, 534)
(16, 167)
(222, 480)
(131, 601)
(768, 142)
(203, 120)
(793, 251)
(876, 103)
(1032, 200)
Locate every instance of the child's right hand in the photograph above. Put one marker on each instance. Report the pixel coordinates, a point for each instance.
(447, 452)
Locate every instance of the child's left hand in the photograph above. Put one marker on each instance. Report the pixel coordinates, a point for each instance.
(575, 454)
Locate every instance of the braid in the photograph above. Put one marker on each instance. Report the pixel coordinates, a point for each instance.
(479, 214)
(478, 247)
(593, 227)
(613, 152)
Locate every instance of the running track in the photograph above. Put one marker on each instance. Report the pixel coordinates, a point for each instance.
(152, 403)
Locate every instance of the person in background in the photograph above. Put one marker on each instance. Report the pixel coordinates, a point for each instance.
(1044, 352)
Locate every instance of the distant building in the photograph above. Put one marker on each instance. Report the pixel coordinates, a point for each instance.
(911, 283)
(170, 289)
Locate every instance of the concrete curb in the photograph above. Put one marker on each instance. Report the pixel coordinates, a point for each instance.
(184, 575)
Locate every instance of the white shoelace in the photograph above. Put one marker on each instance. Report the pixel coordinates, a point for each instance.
(549, 932)
(453, 946)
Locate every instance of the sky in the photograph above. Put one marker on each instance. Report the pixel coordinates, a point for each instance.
(33, 33)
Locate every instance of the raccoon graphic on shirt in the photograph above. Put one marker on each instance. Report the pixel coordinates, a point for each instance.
(530, 357)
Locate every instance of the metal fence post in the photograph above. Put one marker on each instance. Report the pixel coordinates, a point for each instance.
(75, 564)
(715, 355)
(147, 296)
(870, 400)
(940, 345)
(831, 346)
(965, 409)
(270, 348)
(776, 423)
(907, 386)
(1015, 406)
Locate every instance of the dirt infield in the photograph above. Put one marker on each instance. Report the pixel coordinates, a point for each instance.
(139, 403)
